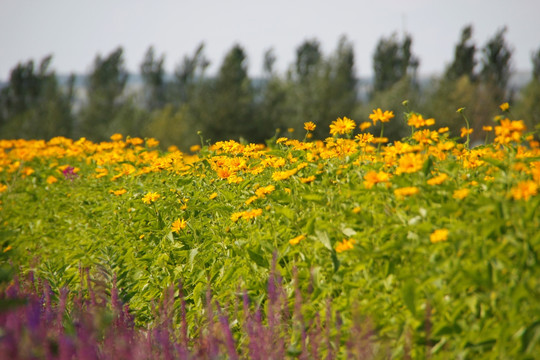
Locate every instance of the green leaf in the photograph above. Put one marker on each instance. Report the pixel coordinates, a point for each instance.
(322, 236)
(409, 297)
(258, 259)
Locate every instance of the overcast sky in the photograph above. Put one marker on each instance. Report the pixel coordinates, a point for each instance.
(75, 31)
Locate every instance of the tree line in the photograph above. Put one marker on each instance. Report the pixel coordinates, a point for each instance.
(231, 105)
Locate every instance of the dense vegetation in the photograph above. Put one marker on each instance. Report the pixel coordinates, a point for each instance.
(413, 248)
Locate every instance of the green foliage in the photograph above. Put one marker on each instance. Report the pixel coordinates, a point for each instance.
(469, 294)
(464, 53)
(152, 71)
(496, 64)
(105, 89)
(33, 105)
(392, 61)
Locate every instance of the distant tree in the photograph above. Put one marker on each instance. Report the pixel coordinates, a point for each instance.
(308, 57)
(271, 100)
(33, 105)
(232, 101)
(105, 89)
(496, 63)
(339, 86)
(535, 59)
(392, 61)
(528, 106)
(189, 75)
(306, 86)
(464, 53)
(153, 73)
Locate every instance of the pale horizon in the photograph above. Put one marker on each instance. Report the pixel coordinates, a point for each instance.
(76, 33)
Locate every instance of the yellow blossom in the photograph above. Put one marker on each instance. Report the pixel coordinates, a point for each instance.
(342, 126)
(309, 126)
(363, 126)
(296, 240)
(150, 197)
(406, 191)
(3, 188)
(194, 148)
(465, 131)
(116, 137)
(437, 180)
(380, 115)
(439, 235)
(373, 177)
(461, 194)
(443, 130)
(51, 180)
(418, 121)
(487, 128)
(178, 224)
(504, 106)
(524, 190)
(308, 179)
(118, 192)
(212, 196)
(344, 245)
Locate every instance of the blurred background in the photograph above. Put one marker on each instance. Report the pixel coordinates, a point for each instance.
(253, 69)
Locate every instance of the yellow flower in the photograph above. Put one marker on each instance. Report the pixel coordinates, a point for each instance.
(487, 128)
(116, 137)
(363, 126)
(439, 235)
(178, 224)
(150, 197)
(212, 196)
(3, 188)
(406, 191)
(265, 190)
(118, 192)
(443, 130)
(524, 190)
(296, 240)
(504, 106)
(342, 126)
(372, 178)
(410, 163)
(437, 180)
(465, 131)
(194, 148)
(308, 179)
(9, 247)
(290, 130)
(151, 142)
(379, 115)
(344, 245)
(461, 194)
(309, 126)
(51, 180)
(418, 121)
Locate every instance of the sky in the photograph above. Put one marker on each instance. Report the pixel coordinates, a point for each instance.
(75, 32)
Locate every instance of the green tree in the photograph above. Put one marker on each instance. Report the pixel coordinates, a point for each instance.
(392, 61)
(528, 105)
(306, 85)
(464, 53)
(105, 90)
(271, 100)
(190, 76)
(340, 92)
(496, 64)
(232, 100)
(153, 75)
(33, 104)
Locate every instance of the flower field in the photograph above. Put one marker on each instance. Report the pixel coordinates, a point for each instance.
(424, 247)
